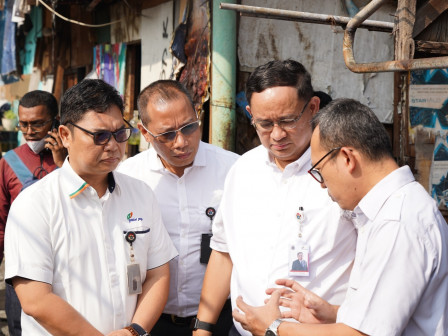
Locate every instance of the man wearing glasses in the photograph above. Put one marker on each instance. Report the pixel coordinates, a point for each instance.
(22, 166)
(399, 281)
(86, 248)
(187, 176)
(272, 209)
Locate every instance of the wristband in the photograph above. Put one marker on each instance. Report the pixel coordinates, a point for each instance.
(137, 330)
(197, 324)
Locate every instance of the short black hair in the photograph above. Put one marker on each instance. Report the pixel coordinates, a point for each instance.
(88, 95)
(347, 122)
(324, 98)
(280, 73)
(166, 89)
(37, 98)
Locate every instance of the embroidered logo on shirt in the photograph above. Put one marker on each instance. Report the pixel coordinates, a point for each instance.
(130, 219)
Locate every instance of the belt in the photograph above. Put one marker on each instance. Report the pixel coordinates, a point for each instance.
(186, 321)
(178, 320)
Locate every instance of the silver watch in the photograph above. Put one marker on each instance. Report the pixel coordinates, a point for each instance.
(272, 329)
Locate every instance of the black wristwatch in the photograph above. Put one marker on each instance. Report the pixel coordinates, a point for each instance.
(197, 324)
(272, 329)
(135, 328)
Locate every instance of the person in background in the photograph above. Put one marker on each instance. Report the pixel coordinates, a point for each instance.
(187, 176)
(42, 153)
(399, 282)
(86, 249)
(271, 207)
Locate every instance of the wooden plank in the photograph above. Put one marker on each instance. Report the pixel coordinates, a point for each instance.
(439, 48)
(152, 3)
(427, 13)
(129, 94)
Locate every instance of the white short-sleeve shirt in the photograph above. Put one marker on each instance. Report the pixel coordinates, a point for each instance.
(257, 220)
(183, 201)
(399, 282)
(60, 232)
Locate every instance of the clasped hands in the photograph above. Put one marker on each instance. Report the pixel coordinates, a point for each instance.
(304, 306)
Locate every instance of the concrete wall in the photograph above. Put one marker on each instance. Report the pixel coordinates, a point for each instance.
(319, 49)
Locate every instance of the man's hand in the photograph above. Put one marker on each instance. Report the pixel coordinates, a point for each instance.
(54, 143)
(257, 319)
(305, 306)
(120, 332)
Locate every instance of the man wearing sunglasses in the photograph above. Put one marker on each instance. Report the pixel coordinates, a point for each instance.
(187, 176)
(42, 153)
(271, 208)
(399, 281)
(87, 250)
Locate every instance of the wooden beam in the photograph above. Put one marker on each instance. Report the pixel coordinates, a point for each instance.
(427, 13)
(92, 5)
(440, 48)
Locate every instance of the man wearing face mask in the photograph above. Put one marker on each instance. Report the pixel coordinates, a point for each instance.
(40, 155)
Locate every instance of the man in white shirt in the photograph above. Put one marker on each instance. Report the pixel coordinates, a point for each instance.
(399, 281)
(187, 176)
(86, 248)
(272, 209)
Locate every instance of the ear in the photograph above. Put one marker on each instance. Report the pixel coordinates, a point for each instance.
(351, 158)
(314, 105)
(66, 135)
(249, 111)
(144, 132)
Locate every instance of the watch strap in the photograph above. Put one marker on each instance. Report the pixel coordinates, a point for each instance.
(274, 326)
(198, 324)
(137, 330)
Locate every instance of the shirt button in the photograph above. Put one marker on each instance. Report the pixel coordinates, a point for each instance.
(353, 215)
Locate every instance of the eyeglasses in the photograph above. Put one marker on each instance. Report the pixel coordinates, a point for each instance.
(285, 124)
(169, 136)
(35, 127)
(314, 172)
(103, 137)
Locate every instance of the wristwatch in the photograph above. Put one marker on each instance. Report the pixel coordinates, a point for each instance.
(272, 329)
(197, 324)
(137, 330)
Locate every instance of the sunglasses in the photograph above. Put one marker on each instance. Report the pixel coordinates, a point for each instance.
(103, 137)
(169, 136)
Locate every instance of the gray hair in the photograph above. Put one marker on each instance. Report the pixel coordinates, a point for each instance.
(347, 122)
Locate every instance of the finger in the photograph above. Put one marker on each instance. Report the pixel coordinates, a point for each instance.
(295, 286)
(238, 316)
(275, 297)
(287, 314)
(285, 303)
(241, 304)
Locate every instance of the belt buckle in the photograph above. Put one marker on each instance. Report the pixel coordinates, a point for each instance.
(174, 320)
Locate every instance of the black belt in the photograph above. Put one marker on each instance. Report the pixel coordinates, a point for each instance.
(186, 321)
(178, 320)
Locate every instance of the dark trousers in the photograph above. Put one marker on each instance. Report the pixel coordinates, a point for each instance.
(233, 331)
(13, 311)
(166, 325)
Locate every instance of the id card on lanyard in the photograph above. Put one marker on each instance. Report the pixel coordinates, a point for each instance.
(299, 250)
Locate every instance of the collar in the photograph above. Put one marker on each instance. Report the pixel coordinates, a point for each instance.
(76, 185)
(302, 163)
(200, 160)
(371, 204)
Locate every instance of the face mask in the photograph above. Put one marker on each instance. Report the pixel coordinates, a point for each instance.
(36, 146)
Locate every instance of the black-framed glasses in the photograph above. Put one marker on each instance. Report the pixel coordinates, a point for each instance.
(169, 136)
(103, 137)
(285, 124)
(35, 127)
(314, 172)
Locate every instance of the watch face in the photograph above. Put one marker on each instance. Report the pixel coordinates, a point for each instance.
(269, 332)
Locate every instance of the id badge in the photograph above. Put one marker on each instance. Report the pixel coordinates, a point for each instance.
(205, 248)
(134, 279)
(299, 259)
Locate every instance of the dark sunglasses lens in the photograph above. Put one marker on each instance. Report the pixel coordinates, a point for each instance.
(189, 129)
(169, 136)
(100, 138)
(122, 135)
